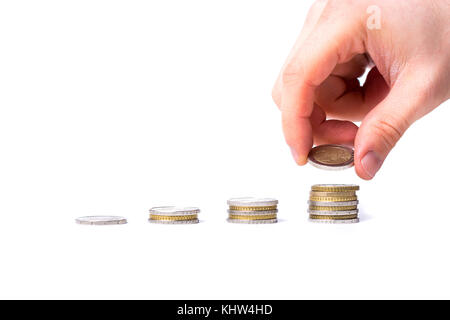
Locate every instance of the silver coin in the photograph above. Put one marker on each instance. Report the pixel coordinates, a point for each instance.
(193, 221)
(333, 204)
(333, 213)
(266, 221)
(347, 221)
(332, 194)
(252, 202)
(331, 157)
(101, 220)
(174, 211)
(252, 213)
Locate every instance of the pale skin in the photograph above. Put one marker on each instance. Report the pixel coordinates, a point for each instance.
(320, 96)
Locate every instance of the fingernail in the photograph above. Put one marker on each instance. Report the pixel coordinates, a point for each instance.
(371, 163)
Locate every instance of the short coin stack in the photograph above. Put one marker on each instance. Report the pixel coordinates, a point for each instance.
(333, 203)
(174, 215)
(252, 210)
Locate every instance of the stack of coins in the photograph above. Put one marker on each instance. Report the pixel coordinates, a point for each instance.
(252, 210)
(174, 215)
(333, 203)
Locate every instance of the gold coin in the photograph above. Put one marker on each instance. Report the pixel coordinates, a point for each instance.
(334, 187)
(267, 208)
(333, 194)
(253, 217)
(344, 217)
(334, 208)
(173, 218)
(333, 199)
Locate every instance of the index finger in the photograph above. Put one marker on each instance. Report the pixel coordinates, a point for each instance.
(327, 46)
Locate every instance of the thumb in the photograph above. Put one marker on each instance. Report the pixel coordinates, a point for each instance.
(388, 121)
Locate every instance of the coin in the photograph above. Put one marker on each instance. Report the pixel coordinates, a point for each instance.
(333, 204)
(332, 194)
(252, 213)
(333, 208)
(252, 217)
(194, 221)
(101, 220)
(267, 221)
(335, 221)
(333, 213)
(172, 210)
(173, 218)
(331, 157)
(333, 199)
(334, 187)
(333, 217)
(253, 209)
(252, 202)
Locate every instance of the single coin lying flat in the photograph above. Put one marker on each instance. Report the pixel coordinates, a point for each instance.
(252, 202)
(246, 221)
(331, 157)
(334, 187)
(101, 220)
(343, 194)
(346, 221)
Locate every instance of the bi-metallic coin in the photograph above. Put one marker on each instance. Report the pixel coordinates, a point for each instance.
(331, 157)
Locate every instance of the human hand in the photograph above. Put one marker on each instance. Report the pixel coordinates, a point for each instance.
(410, 75)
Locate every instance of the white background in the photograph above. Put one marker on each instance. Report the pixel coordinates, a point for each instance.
(112, 107)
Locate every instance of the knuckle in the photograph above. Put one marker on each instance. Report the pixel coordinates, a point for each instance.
(290, 74)
(295, 73)
(390, 129)
(335, 10)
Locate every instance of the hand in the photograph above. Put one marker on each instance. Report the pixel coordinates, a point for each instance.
(409, 49)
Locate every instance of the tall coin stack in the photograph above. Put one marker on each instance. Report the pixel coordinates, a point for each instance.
(252, 210)
(174, 215)
(333, 203)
